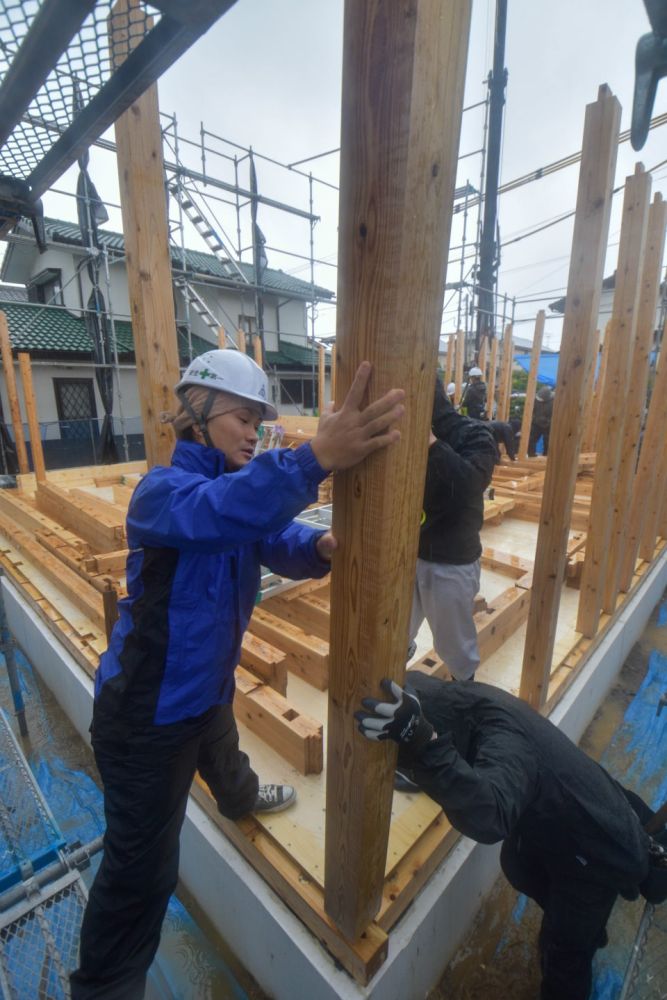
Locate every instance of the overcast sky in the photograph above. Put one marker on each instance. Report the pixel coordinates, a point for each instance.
(268, 74)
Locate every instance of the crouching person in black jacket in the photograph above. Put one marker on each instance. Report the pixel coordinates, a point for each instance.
(572, 836)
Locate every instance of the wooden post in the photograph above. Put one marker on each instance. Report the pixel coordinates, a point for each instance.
(12, 394)
(334, 362)
(532, 384)
(401, 111)
(643, 509)
(614, 400)
(591, 226)
(321, 379)
(590, 393)
(505, 374)
(240, 340)
(635, 399)
(491, 384)
(589, 442)
(144, 210)
(32, 418)
(449, 359)
(222, 338)
(257, 350)
(481, 357)
(460, 358)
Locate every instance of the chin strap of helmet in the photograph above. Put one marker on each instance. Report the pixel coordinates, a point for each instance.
(200, 419)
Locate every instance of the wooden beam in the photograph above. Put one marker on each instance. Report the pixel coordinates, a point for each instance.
(144, 211)
(103, 533)
(623, 325)
(32, 417)
(265, 661)
(654, 523)
(321, 379)
(635, 402)
(589, 442)
(240, 341)
(505, 375)
(449, 359)
(12, 395)
(222, 338)
(401, 114)
(591, 226)
(460, 358)
(491, 391)
(643, 509)
(532, 385)
(306, 655)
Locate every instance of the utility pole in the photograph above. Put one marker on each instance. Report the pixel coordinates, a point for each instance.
(486, 278)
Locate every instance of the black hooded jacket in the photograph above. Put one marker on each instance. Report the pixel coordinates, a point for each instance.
(500, 769)
(460, 466)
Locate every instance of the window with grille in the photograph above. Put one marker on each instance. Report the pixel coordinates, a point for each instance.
(77, 413)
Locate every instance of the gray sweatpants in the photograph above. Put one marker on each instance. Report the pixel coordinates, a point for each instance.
(444, 594)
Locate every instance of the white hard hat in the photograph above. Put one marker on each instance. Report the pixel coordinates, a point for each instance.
(451, 388)
(230, 371)
(475, 371)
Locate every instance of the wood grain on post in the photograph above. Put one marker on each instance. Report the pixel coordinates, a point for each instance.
(614, 399)
(529, 405)
(144, 210)
(505, 374)
(590, 393)
(591, 226)
(460, 358)
(402, 100)
(32, 418)
(481, 357)
(12, 395)
(635, 399)
(491, 385)
(240, 341)
(656, 435)
(449, 359)
(589, 442)
(222, 338)
(643, 509)
(334, 361)
(321, 379)
(257, 350)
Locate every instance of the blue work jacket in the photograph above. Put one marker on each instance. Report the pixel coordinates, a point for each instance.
(197, 537)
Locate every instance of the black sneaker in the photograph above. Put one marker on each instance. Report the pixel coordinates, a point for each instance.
(412, 649)
(402, 783)
(274, 798)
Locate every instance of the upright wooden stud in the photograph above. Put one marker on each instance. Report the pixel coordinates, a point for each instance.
(491, 391)
(403, 75)
(481, 357)
(643, 509)
(257, 350)
(222, 338)
(529, 405)
(505, 374)
(334, 363)
(591, 225)
(635, 399)
(240, 340)
(589, 442)
(321, 379)
(144, 210)
(614, 399)
(12, 395)
(32, 417)
(590, 393)
(449, 359)
(460, 358)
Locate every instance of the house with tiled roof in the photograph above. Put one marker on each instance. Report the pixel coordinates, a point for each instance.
(44, 297)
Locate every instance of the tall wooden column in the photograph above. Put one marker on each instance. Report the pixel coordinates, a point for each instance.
(505, 376)
(589, 442)
(403, 76)
(449, 360)
(529, 405)
(12, 395)
(144, 209)
(491, 390)
(614, 399)
(32, 417)
(460, 358)
(643, 512)
(589, 243)
(635, 398)
(656, 435)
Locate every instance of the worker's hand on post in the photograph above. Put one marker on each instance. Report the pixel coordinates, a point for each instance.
(350, 434)
(326, 545)
(401, 720)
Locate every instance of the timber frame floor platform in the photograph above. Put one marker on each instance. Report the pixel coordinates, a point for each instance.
(62, 544)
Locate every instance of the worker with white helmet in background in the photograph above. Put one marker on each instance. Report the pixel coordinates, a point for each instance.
(198, 532)
(473, 399)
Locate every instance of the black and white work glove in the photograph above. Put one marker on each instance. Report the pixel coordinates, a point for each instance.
(401, 720)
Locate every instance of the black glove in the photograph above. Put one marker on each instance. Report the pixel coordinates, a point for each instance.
(401, 720)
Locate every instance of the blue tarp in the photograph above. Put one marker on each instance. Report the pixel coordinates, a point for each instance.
(547, 370)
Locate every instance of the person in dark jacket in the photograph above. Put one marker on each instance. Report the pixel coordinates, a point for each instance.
(572, 836)
(540, 426)
(473, 399)
(504, 433)
(197, 534)
(461, 459)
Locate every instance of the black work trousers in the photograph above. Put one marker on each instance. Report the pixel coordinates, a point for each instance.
(576, 912)
(147, 773)
(535, 434)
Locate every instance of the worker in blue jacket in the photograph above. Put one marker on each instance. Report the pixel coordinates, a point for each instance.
(198, 533)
